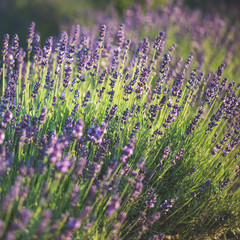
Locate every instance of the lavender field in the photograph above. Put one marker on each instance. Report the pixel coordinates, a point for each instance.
(122, 128)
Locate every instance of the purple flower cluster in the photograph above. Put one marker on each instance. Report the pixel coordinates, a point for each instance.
(127, 152)
(98, 132)
(168, 204)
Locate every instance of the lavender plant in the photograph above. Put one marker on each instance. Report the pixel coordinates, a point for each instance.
(107, 137)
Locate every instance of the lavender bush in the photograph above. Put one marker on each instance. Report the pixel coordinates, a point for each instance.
(108, 134)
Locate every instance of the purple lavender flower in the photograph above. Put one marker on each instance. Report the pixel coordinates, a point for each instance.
(42, 116)
(76, 36)
(192, 125)
(45, 219)
(65, 164)
(167, 205)
(127, 152)
(102, 150)
(37, 51)
(6, 160)
(73, 223)
(179, 154)
(15, 45)
(35, 90)
(96, 133)
(113, 205)
(151, 199)
(193, 170)
(137, 188)
(5, 44)
(61, 47)
(24, 216)
(12, 194)
(224, 184)
(148, 223)
(86, 98)
(120, 35)
(78, 131)
(158, 41)
(91, 195)
(237, 170)
(55, 148)
(94, 169)
(165, 61)
(31, 30)
(204, 186)
(74, 195)
(157, 237)
(166, 152)
(75, 109)
(111, 114)
(102, 33)
(47, 49)
(7, 116)
(2, 136)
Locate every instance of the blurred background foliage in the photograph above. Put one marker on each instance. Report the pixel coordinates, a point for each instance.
(52, 16)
